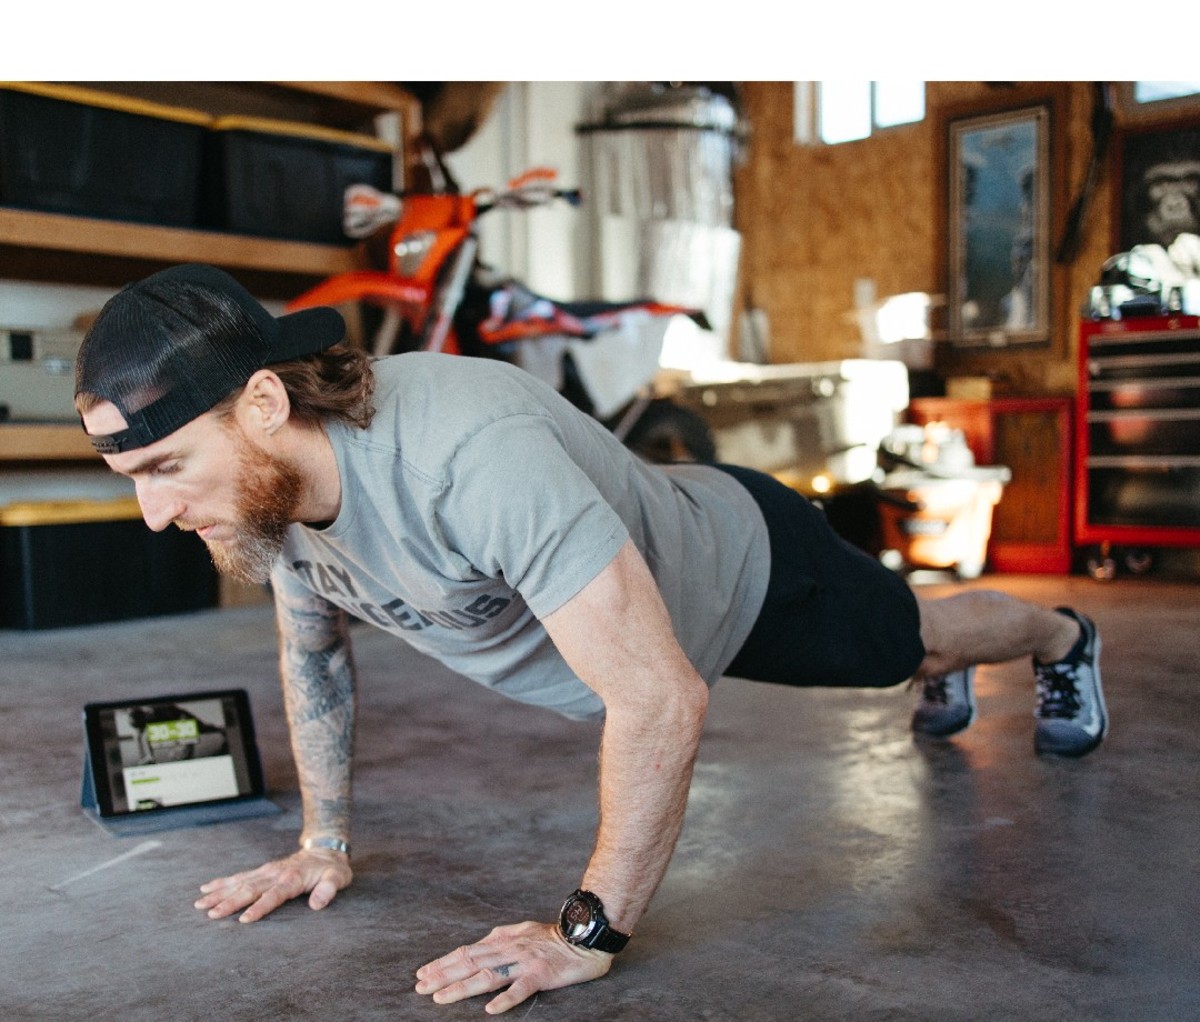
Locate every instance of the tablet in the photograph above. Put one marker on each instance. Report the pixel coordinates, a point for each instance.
(148, 756)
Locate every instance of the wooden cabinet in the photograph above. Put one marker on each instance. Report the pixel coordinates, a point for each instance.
(1031, 436)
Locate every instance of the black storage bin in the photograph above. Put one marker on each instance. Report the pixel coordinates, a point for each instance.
(87, 153)
(68, 563)
(278, 179)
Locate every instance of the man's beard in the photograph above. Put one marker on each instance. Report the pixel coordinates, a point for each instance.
(268, 493)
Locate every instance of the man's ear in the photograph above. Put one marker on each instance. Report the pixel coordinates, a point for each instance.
(264, 403)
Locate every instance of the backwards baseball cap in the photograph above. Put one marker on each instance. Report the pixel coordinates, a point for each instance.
(169, 348)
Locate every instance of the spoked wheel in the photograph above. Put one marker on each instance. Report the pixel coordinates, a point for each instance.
(666, 433)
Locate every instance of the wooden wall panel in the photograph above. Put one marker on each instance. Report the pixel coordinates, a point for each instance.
(814, 219)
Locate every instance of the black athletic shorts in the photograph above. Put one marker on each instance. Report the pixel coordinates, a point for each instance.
(833, 615)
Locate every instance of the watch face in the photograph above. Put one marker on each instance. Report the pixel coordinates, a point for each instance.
(578, 917)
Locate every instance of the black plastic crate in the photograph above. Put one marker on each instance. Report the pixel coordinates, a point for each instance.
(278, 179)
(64, 564)
(70, 150)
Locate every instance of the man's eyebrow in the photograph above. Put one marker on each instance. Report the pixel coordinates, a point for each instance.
(147, 464)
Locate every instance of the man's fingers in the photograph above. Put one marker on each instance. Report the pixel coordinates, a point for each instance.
(268, 902)
(451, 968)
(218, 890)
(325, 891)
(482, 980)
(474, 967)
(234, 899)
(520, 991)
(232, 896)
(263, 890)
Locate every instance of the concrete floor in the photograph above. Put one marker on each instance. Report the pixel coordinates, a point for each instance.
(831, 866)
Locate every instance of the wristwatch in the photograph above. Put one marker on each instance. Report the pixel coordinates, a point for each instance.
(582, 923)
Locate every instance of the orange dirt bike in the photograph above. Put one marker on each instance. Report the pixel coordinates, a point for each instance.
(436, 295)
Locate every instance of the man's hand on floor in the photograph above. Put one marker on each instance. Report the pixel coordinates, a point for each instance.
(316, 872)
(524, 958)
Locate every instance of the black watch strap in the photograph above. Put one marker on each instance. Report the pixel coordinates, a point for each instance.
(607, 939)
(582, 922)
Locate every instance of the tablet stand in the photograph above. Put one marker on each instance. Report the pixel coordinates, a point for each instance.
(172, 817)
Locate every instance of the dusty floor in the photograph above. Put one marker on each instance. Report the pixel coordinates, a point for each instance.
(831, 866)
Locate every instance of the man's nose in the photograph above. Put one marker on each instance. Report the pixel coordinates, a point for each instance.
(158, 509)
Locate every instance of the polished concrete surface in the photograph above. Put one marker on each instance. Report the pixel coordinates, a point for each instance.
(832, 867)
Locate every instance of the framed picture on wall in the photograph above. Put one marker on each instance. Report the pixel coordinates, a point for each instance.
(1158, 184)
(998, 228)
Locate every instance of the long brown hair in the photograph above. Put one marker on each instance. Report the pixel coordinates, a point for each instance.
(337, 383)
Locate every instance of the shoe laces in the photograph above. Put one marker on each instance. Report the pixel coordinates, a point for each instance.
(1058, 690)
(935, 691)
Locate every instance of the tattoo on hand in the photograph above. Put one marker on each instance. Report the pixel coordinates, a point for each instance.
(504, 970)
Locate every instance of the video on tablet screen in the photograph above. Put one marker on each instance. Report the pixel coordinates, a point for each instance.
(173, 753)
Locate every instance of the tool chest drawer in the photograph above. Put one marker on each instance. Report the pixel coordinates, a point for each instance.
(1139, 431)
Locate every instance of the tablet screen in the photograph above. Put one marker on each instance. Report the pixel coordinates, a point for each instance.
(172, 751)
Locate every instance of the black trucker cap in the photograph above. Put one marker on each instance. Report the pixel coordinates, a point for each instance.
(168, 348)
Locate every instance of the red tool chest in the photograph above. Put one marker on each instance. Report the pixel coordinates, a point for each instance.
(1137, 464)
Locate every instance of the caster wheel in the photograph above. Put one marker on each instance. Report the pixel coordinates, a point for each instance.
(1138, 562)
(1102, 569)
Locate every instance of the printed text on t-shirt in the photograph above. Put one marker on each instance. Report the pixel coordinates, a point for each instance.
(335, 582)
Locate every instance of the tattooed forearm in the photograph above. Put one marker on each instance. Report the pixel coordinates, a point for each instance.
(319, 689)
(322, 682)
(318, 676)
(308, 620)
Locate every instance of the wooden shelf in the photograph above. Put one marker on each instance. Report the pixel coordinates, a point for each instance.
(381, 96)
(45, 442)
(53, 232)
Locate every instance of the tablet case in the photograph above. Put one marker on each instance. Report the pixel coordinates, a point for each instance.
(172, 817)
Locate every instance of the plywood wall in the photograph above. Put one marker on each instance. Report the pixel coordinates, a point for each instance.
(816, 218)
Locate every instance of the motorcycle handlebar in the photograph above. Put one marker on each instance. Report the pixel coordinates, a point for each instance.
(527, 198)
(366, 209)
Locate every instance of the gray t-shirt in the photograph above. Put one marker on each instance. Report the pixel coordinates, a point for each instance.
(480, 500)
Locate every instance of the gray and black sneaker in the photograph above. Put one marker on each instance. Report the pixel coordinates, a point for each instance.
(1071, 715)
(947, 703)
